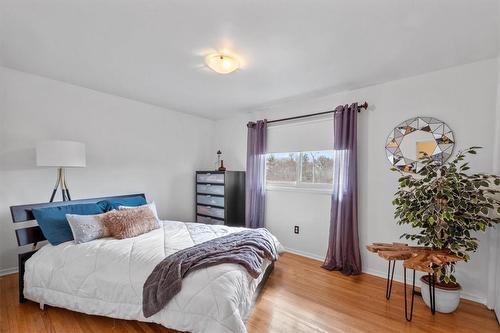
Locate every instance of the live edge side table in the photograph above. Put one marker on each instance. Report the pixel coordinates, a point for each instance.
(416, 258)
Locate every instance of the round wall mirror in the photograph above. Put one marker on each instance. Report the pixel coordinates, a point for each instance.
(414, 138)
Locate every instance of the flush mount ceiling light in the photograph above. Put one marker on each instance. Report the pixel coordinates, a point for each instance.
(222, 63)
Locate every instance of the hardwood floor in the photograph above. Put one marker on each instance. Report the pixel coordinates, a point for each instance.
(298, 297)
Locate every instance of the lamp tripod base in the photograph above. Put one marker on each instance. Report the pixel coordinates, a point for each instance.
(61, 182)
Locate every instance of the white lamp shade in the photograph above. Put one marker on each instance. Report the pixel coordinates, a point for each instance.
(65, 154)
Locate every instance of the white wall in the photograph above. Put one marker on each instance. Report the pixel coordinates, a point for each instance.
(464, 97)
(131, 147)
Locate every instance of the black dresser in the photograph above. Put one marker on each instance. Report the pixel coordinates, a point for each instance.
(220, 197)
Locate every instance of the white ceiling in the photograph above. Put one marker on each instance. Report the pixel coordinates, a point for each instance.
(153, 50)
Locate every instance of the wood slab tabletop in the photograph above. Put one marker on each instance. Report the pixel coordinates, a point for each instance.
(419, 258)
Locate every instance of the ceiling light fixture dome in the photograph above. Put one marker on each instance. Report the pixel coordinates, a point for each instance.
(222, 63)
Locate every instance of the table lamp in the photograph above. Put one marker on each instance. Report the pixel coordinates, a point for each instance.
(60, 154)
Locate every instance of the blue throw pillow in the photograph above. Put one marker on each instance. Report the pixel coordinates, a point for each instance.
(52, 220)
(110, 204)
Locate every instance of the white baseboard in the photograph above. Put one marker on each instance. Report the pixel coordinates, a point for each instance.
(305, 254)
(7, 271)
(397, 276)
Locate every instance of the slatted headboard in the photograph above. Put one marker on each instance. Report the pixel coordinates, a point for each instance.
(33, 235)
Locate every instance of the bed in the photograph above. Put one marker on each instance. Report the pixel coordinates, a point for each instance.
(106, 276)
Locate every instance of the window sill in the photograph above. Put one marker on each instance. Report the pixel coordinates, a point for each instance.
(297, 189)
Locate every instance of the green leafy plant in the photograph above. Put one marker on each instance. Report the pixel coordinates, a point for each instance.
(446, 206)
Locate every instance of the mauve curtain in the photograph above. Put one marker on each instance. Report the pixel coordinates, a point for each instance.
(343, 248)
(255, 175)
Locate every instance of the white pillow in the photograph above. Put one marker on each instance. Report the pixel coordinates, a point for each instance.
(150, 205)
(86, 227)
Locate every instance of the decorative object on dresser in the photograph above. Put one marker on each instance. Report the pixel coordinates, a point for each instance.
(220, 197)
(60, 154)
(220, 163)
(222, 167)
(219, 157)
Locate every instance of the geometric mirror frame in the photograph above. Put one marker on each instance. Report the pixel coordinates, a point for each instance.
(410, 140)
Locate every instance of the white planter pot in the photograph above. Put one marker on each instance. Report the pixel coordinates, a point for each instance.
(447, 300)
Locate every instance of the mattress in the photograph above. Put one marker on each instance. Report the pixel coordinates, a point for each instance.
(105, 277)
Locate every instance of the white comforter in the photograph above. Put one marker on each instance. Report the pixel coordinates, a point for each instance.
(105, 277)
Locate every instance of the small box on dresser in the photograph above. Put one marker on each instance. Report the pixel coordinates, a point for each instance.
(220, 197)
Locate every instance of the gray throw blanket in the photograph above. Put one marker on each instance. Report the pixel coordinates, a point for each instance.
(247, 248)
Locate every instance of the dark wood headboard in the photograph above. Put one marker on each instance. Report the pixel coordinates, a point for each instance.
(33, 235)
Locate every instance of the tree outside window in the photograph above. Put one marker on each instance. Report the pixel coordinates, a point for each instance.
(300, 169)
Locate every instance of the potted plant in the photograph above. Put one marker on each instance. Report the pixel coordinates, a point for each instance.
(447, 206)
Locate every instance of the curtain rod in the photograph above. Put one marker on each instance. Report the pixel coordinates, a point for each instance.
(361, 106)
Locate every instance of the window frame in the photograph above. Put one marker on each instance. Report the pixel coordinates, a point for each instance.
(298, 185)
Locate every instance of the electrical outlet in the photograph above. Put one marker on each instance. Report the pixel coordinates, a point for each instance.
(296, 229)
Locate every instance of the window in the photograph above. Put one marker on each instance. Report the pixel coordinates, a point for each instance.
(317, 167)
(281, 167)
(300, 156)
(307, 169)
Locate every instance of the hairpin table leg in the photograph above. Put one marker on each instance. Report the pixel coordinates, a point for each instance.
(408, 316)
(432, 292)
(390, 277)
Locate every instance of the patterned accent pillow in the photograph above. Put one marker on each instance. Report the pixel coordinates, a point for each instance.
(127, 223)
(87, 227)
